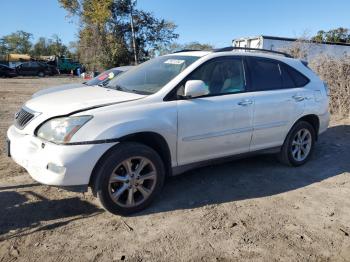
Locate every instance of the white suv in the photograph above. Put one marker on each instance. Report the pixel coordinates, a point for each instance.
(165, 116)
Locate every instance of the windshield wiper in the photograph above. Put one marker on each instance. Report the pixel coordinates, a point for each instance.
(119, 88)
(123, 89)
(141, 92)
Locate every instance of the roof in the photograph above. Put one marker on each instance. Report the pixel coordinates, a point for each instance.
(254, 54)
(291, 40)
(232, 51)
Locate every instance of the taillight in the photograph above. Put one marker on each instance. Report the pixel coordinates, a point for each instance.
(326, 88)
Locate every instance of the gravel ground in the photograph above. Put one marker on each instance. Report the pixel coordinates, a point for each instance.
(252, 209)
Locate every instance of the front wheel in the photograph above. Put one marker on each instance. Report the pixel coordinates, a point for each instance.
(298, 145)
(129, 178)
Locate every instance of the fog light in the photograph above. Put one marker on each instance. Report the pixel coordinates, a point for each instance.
(56, 169)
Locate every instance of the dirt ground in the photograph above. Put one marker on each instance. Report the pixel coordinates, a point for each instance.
(253, 209)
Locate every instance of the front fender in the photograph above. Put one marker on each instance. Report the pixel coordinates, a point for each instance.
(113, 123)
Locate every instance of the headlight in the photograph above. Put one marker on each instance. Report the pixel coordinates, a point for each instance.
(61, 130)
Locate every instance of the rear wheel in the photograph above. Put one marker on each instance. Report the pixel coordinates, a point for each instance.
(298, 145)
(129, 179)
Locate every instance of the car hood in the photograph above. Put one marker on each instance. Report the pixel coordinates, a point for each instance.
(77, 99)
(57, 88)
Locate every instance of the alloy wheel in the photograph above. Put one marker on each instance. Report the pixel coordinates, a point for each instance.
(301, 145)
(132, 181)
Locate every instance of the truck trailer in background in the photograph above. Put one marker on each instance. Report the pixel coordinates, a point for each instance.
(13, 60)
(311, 48)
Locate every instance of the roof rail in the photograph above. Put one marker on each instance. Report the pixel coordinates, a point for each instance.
(232, 48)
(186, 50)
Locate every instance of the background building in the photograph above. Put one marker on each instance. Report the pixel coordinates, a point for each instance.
(311, 48)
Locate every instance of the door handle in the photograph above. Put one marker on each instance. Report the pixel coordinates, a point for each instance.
(298, 98)
(245, 102)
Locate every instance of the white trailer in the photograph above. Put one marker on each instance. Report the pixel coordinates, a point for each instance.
(311, 48)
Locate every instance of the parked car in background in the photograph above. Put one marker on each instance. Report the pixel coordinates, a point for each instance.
(6, 71)
(166, 116)
(34, 68)
(101, 79)
(53, 69)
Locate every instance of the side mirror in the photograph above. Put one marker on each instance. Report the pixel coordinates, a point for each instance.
(195, 88)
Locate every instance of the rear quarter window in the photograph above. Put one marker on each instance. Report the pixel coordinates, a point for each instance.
(299, 79)
(287, 79)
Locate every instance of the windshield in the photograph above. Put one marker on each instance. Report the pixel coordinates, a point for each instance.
(151, 76)
(103, 77)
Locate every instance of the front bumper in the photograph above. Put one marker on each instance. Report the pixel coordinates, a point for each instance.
(73, 164)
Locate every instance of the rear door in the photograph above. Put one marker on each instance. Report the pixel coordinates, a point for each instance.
(278, 101)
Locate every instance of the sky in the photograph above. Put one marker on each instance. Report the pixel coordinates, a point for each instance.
(206, 21)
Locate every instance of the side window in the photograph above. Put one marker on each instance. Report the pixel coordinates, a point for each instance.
(221, 76)
(287, 80)
(265, 74)
(299, 79)
(34, 64)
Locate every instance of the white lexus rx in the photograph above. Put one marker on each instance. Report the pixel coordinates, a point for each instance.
(168, 115)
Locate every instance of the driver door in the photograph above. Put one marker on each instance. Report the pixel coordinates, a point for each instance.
(220, 123)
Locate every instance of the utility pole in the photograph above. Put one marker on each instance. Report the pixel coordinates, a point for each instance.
(133, 32)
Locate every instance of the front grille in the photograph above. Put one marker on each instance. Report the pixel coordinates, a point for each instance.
(22, 118)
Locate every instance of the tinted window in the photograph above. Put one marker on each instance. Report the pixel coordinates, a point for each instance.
(299, 79)
(286, 78)
(222, 76)
(265, 74)
(32, 64)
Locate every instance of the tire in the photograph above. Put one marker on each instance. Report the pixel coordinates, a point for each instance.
(41, 74)
(298, 145)
(114, 184)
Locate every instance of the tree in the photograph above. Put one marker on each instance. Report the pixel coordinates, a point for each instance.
(338, 35)
(3, 47)
(49, 46)
(18, 42)
(40, 47)
(198, 46)
(106, 38)
(173, 47)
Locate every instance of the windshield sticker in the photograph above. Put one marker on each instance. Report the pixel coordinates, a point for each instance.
(102, 77)
(174, 61)
(111, 75)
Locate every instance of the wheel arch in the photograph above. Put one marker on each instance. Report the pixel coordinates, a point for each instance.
(154, 140)
(313, 120)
